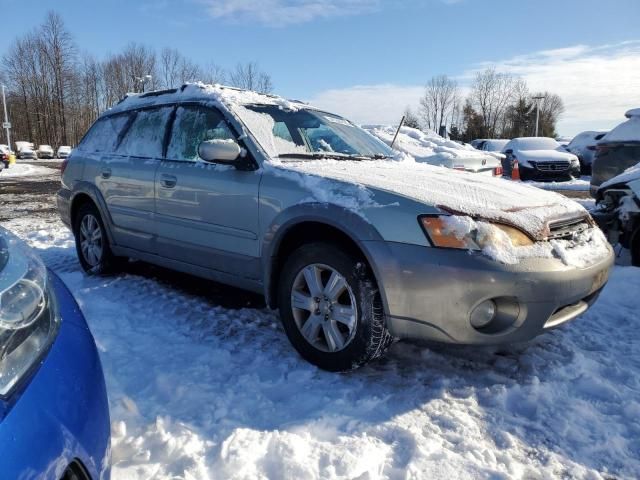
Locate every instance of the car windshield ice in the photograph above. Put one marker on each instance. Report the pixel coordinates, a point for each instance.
(309, 133)
(540, 143)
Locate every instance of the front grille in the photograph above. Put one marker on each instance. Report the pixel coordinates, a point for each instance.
(559, 166)
(566, 229)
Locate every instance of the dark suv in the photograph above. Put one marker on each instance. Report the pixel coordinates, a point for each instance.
(617, 150)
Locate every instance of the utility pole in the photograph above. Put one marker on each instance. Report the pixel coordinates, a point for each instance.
(537, 99)
(6, 124)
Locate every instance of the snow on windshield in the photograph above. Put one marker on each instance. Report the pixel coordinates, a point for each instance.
(495, 145)
(535, 143)
(306, 131)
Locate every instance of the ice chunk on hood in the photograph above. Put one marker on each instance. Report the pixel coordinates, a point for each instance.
(527, 208)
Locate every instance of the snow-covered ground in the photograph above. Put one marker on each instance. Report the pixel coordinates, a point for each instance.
(577, 184)
(25, 170)
(201, 391)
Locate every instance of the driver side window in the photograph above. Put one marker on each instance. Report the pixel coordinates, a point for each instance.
(192, 125)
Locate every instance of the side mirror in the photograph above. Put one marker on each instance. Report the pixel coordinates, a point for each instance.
(219, 151)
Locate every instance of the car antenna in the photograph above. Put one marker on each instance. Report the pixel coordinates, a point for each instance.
(398, 131)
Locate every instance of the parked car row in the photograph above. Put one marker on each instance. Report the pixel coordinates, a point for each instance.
(538, 158)
(27, 151)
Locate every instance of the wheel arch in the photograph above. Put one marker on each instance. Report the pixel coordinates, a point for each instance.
(87, 193)
(320, 222)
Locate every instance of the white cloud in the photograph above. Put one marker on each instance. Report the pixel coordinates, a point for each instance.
(370, 103)
(286, 12)
(597, 85)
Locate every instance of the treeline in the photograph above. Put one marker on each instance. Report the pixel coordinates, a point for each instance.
(498, 105)
(55, 91)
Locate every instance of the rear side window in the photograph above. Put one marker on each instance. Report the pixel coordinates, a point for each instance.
(145, 136)
(104, 134)
(194, 124)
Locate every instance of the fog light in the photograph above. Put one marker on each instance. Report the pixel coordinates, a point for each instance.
(482, 315)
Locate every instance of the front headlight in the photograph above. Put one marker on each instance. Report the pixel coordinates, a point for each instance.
(453, 231)
(28, 322)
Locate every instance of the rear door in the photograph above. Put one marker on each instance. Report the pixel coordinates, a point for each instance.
(207, 214)
(127, 178)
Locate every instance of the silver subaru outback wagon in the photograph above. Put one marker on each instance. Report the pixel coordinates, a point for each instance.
(355, 244)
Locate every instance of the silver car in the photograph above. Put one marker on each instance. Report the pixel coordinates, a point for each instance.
(355, 244)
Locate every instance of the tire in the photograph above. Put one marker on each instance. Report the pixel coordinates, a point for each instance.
(96, 257)
(347, 327)
(635, 247)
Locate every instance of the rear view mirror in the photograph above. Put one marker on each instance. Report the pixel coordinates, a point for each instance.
(219, 151)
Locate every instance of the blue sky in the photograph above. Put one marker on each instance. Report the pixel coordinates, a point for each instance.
(347, 54)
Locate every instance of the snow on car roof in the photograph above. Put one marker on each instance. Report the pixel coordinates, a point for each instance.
(218, 94)
(634, 112)
(628, 131)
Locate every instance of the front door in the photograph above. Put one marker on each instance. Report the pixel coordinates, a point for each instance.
(207, 214)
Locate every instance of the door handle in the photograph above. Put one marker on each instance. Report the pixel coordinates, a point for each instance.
(106, 172)
(168, 181)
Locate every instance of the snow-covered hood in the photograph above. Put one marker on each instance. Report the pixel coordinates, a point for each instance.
(527, 208)
(542, 156)
(631, 174)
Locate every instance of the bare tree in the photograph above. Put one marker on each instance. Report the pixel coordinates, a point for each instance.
(491, 94)
(551, 107)
(249, 76)
(440, 95)
(214, 73)
(55, 93)
(175, 69)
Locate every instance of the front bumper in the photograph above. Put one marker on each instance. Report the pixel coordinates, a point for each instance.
(429, 293)
(62, 414)
(535, 173)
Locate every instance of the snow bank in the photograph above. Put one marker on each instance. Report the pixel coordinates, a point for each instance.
(494, 199)
(577, 184)
(583, 250)
(25, 170)
(199, 391)
(431, 148)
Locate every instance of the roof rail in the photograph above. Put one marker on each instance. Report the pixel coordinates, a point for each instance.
(156, 93)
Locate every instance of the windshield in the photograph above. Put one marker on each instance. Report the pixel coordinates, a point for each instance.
(540, 143)
(495, 145)
(309, 133)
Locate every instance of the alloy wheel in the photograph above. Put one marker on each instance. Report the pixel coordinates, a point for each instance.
(324, 307)
(91, 243)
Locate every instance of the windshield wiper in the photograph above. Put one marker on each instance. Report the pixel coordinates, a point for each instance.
(332, 155)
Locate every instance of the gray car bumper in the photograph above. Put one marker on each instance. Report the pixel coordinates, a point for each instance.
(429, 293)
